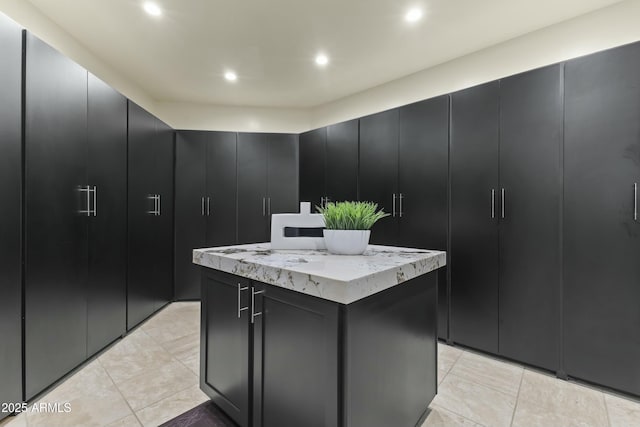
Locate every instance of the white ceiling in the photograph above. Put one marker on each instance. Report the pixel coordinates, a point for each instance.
(271, 44)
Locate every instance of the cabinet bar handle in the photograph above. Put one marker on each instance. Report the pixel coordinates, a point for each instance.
(322, 202)
(253, 304)
(241, 309)
(635, 201)
(264, 204)
(202, 205)
(493, 203)
(86, 189)
(401, 199)
(394, 205)
(503, 192)
(269, 206)
(159, 205)
(95, 201)
(208, 206)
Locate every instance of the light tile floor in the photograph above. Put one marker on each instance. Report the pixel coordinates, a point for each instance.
(151, 376)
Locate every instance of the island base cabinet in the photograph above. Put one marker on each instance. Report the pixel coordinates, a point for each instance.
(318, 363)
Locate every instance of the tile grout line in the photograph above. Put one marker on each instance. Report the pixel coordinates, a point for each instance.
(606, 409)
(515, 407)
(478, 382)
(121, 395)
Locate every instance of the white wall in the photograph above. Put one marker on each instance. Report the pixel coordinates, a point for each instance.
(613, 26)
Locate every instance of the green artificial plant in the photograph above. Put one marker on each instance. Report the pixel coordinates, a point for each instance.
(351, 215)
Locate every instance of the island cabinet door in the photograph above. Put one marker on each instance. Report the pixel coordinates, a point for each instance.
(601, 220)
(225, 343)
(190, 210)
(312, 166)
(341, 173)
(10, 213)
(474, 204)
(530, 195)
(295, 359)
(379, 171)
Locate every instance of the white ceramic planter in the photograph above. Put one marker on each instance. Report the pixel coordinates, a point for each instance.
(346, 242)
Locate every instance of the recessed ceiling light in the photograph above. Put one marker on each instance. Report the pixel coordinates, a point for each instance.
(231, 76)
(152, 8)
(322, 59)
(413, 15)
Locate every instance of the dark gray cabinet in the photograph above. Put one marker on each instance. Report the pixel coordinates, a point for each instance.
(530, 216)
(422, 200)
(329, 164)
(10, 214)
(506, 195)
(379, 171)
(56, 215)
(150, 215)
(404, 168)
(225, 343)
(267, 182)
(107, 174)
(272, 357)
(205, 201)
(75, 215)
(601, 229)
(474, 204)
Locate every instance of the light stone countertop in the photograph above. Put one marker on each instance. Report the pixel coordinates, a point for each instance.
(339, 278)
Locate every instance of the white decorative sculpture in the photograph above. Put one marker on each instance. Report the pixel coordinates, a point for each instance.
(296, 224)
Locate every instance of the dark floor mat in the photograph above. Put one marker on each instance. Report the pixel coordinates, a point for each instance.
(204, 415)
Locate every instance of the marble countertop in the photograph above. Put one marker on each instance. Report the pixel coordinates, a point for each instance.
(339, 278)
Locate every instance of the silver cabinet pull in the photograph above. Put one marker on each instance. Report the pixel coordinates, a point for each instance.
(401, 199)
(202, 206)
(264, 204)
(241, 309)
(326, 201)
(394, 205)
(268, 206)
(322, 202)
(253, 304)
(208, 206)
(86, 190)
(503, 203)
(95, 201)
(159, 206)
(493, 203)
(635, 201)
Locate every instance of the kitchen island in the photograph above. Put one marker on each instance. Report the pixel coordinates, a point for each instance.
(304, 338)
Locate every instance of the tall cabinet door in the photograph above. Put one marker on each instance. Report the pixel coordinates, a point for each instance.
(423, 169)
(531, 174)
(10, 221)
(253, 150)
(341, 172)
(283, 175)
(56, 221)
(190, 209)
(601, 236)
(221, 189)
(107, 145)
(162, 283)
(379, 171)
(313, 166)
(474, 218)
(141, 252)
